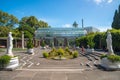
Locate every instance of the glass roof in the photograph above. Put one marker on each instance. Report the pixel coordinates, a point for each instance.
(59, 32)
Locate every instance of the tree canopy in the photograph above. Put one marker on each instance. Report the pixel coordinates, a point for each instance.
(7, 20)
(116, 19)
(29, 24)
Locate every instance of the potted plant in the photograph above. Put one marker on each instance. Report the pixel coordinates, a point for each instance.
(4, 61)
(110, 62)
(8, 62)
(91, 45)
(30, 47)
(43, 44)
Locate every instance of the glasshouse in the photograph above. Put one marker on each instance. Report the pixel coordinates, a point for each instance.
(59, 36)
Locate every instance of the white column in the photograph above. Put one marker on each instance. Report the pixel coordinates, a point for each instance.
(22, 40)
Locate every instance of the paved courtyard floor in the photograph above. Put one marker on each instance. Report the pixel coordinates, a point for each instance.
(35, 67)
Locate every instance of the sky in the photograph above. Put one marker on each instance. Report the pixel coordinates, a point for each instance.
(62, 13)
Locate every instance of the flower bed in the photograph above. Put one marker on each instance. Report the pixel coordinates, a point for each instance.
(60, 53)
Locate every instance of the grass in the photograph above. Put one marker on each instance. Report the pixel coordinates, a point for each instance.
(19, 49)
(14, 49)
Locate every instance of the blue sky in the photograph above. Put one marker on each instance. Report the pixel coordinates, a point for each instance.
(62, 13)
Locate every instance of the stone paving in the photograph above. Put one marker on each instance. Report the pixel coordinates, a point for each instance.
(35, 67)
(56, 75)
(38, 62)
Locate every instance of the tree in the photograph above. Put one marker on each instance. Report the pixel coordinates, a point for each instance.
(30, 24)
(4, 31)
(116, 19)
(43, 24)
(75, 24)
(32, 21)
(7, 20)
(28, 31)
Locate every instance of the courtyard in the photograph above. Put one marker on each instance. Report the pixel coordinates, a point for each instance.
(35, 67)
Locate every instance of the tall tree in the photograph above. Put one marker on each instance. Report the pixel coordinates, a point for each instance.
(116, 19)
(30, 24)
(75, 24)
(32, 21)
(43, 24)
(4, 31)
(8, 20)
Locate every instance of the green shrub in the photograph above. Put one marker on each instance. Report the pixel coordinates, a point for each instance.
(53, 49)
(114, 58)
(103, 56)
(4, 60)
(29, 44)
(45, 54)
(43, 43)
(90, 41)
(67, 49)
(75, 54)
(60, 51)
(98, 40)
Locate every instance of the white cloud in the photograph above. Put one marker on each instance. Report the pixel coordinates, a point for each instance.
(98, 1)
(109, 1)
(67, 25)
(102, 1)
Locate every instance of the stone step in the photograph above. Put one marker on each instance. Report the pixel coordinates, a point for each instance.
(59, 70)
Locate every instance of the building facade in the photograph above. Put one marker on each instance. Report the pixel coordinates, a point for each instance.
(91, 29)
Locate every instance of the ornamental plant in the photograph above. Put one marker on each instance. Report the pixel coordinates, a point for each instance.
(4, 60)
(75, 54)
(113, 58)
(60, 51)
(43, 43)
(45, 54)
(29, 44)
(60, 54)
(90, 41)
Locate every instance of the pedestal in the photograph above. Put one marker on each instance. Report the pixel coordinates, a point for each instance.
(90, 50)
(109, 65)
(30, 51)
(13, 64)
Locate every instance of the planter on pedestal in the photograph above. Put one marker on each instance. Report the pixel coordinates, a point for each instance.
(109, 65)
(13, 64)
(30, 51)
(90, 50)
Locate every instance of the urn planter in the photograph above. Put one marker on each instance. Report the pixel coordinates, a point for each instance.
(13, 64)
(90, 50)
(30, 51)
(109, 65)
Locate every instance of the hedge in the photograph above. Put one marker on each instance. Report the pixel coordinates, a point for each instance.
(99, 40)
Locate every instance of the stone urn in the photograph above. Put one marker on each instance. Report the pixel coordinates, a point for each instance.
(30, 51)
(109, 65)
(90, 50)
(13, 64)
